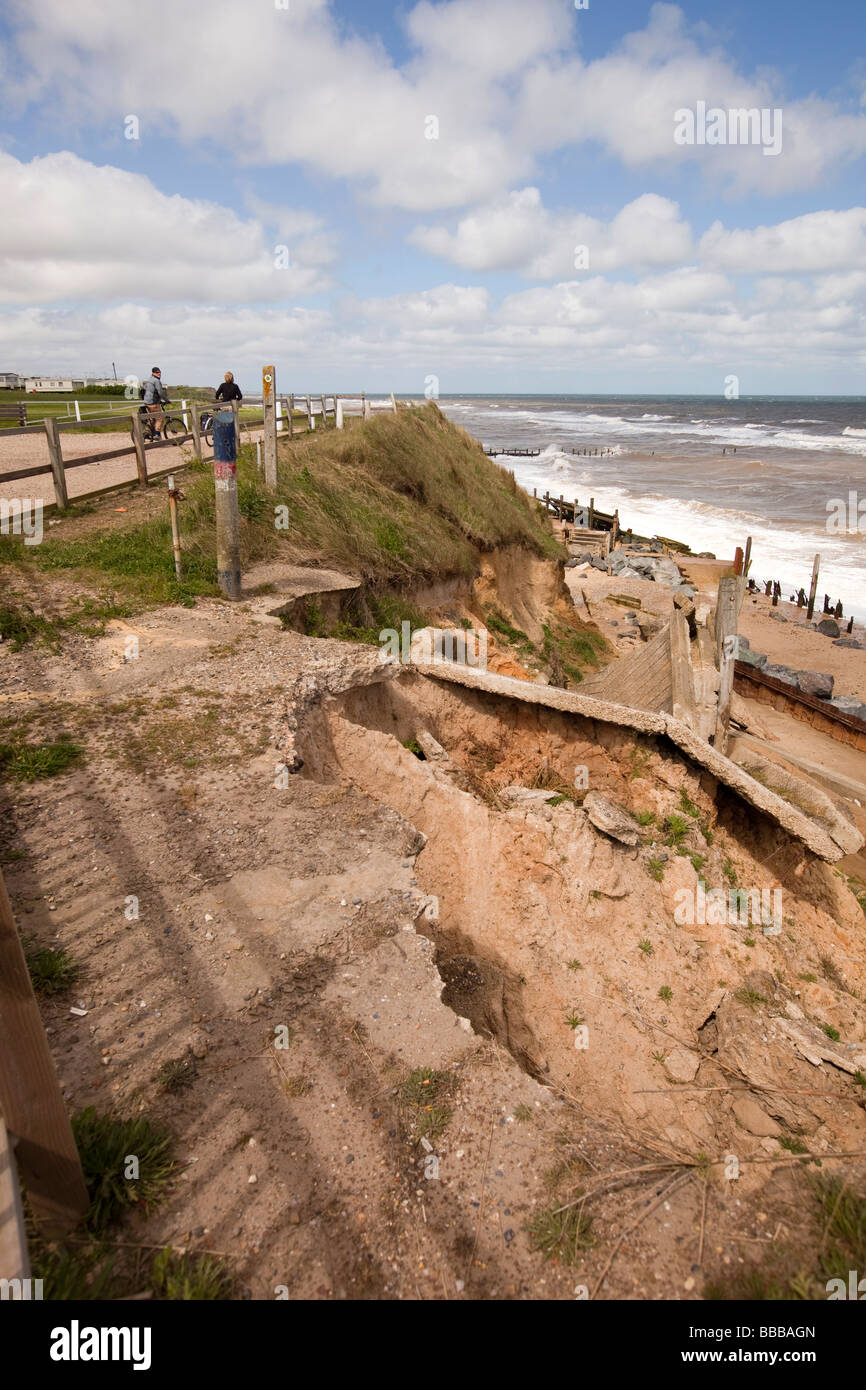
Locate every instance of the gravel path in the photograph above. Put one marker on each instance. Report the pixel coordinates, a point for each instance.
(24, 451)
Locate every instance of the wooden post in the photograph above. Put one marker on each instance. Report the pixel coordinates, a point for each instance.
(310, 421)
(55, 454)
(30, 1096)
(236, 412)
(814, 589)
(278, 407)
(196, 432)
(338, 413)
(184, 412)
(592, 513)
(547, 501)
(738, 560)
(77, 412)
(225, 470)
(175, 530)
(140, 455)
(269, 378)
(747, 558)
(14, 1255)
(732, 589)
(324, 412)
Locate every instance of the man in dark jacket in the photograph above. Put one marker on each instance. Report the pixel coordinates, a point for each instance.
(228, 390)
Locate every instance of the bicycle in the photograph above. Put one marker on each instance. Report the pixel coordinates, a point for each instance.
(170, 428)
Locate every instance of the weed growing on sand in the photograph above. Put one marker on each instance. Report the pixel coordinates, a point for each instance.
(105, 1144)
(656, 868)
(522, 1113)
(575, 965)
(666, 993)
(29, 762)
(646, 946)
(644, 817)
(426, 1091)
(574, 1019)
(688, 806)
(750, 997)
(676, 828)
(189, 1278)
(749, 941)
(297, 1086)
(52, 969)
(561, 1234)
(792, 1144)
(176, 1074)
(809, 978)
(639, 758)
(832, 1033)
(84, 1273)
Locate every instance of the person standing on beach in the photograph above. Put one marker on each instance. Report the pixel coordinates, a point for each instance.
(228, 389)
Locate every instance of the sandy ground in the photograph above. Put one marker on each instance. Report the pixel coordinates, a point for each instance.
(23, 451)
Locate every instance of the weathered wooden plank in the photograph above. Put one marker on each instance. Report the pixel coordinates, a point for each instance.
(683, 701)
(55, 456)
(30, 1098)
(25, 473)
(14, 1256)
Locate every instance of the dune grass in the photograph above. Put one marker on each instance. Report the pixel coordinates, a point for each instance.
(398, 500)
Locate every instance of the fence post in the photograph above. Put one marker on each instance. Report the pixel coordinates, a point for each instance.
(278, 407)
(175, 529)
(30, 1097)
(236, 415)
(140, 455)
(324, 412)
(77, 412)
(55, 454)
(269, 378)
(338, 412)
(196, 432)
(814, 587)
(184, 412)
(393, 403)
(731, 591)
(225, 470)
(311, 424)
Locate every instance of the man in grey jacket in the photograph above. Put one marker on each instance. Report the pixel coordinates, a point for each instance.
(155, 397)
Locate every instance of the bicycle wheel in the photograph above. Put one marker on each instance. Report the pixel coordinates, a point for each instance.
(146, 430)
(173, 429)
(208, 436)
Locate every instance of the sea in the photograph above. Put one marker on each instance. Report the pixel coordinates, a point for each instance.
(788, 471)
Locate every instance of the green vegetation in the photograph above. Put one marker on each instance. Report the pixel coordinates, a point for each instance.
(646, 946)
(676, 828)
(561, 1233)
(750, 997)
(52, 969)
(574, 965)
(426, 1092)
(176, 1074)
(28, 762)
(522, 1113)
(688, 806)
(573, 1019)
(832, 1033)
(666, 993)
(106, 1143)
(644, 817)
(656, 868)
(186, 1278)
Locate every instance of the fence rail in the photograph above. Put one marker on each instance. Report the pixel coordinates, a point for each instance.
(309, 407)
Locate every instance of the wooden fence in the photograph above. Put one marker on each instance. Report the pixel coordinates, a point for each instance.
(343, 406)
(36, 1140)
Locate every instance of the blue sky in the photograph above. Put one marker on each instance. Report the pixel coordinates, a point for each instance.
(307, 127)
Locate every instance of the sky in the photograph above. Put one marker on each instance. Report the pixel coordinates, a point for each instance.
(462, 196)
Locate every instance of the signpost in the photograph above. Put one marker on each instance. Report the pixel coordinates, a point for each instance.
(269, 396)
(225, 472)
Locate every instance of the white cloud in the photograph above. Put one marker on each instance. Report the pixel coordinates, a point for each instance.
(817, 241)
(72, 230)
(503, 77)
(518, 233)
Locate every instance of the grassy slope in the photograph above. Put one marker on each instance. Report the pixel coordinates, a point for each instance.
(399, 500)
